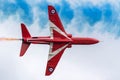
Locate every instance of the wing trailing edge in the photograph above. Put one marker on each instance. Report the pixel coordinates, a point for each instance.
(55, 53)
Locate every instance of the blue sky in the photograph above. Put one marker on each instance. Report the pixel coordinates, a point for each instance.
(87, 18)
(89, 13)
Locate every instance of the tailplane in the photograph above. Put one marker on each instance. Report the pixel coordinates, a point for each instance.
(25, 35)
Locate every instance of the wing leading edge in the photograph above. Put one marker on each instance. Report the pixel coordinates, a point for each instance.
(56, 49)
(54, 18)
(55, 53)
(56, 28)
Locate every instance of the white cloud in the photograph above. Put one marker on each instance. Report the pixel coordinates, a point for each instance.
(55, 1)
(93, 62)
(10, 28)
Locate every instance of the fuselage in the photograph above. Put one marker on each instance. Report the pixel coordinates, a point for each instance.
(72, 40)
(58, 40)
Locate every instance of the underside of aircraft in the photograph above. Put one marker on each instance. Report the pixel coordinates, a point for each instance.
(58, 40)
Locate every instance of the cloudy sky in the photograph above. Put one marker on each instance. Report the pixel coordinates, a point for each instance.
(84, 18)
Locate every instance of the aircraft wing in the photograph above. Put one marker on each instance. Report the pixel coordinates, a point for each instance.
(57, 33)
(55, 53)
(56, 27)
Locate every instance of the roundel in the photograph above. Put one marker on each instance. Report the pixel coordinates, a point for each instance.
(53, 11)
(50, 69)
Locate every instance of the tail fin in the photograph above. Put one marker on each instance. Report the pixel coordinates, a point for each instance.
(25, 35)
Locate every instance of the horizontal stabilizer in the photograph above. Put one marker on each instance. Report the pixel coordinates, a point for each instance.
(25, 35)
(24, 48)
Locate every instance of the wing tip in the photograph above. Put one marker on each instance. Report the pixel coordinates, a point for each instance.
(51, 9)
(22, 24)
(49, 71)
(20, 55)
(46, 74)
(50, 6)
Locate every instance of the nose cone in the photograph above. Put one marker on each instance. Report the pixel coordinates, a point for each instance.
(84, 41)
(91, 41)
(95, 41)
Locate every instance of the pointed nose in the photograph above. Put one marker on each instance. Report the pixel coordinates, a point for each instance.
(92, 41)
(96, 41)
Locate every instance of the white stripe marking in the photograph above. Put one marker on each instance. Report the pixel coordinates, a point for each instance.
(54, 27)
(52, 54)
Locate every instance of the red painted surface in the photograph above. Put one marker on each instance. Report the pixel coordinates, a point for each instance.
(55, 59)
(74, 40)
(58, 41)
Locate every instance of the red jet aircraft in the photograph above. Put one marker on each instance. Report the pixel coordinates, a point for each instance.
(58, 40)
